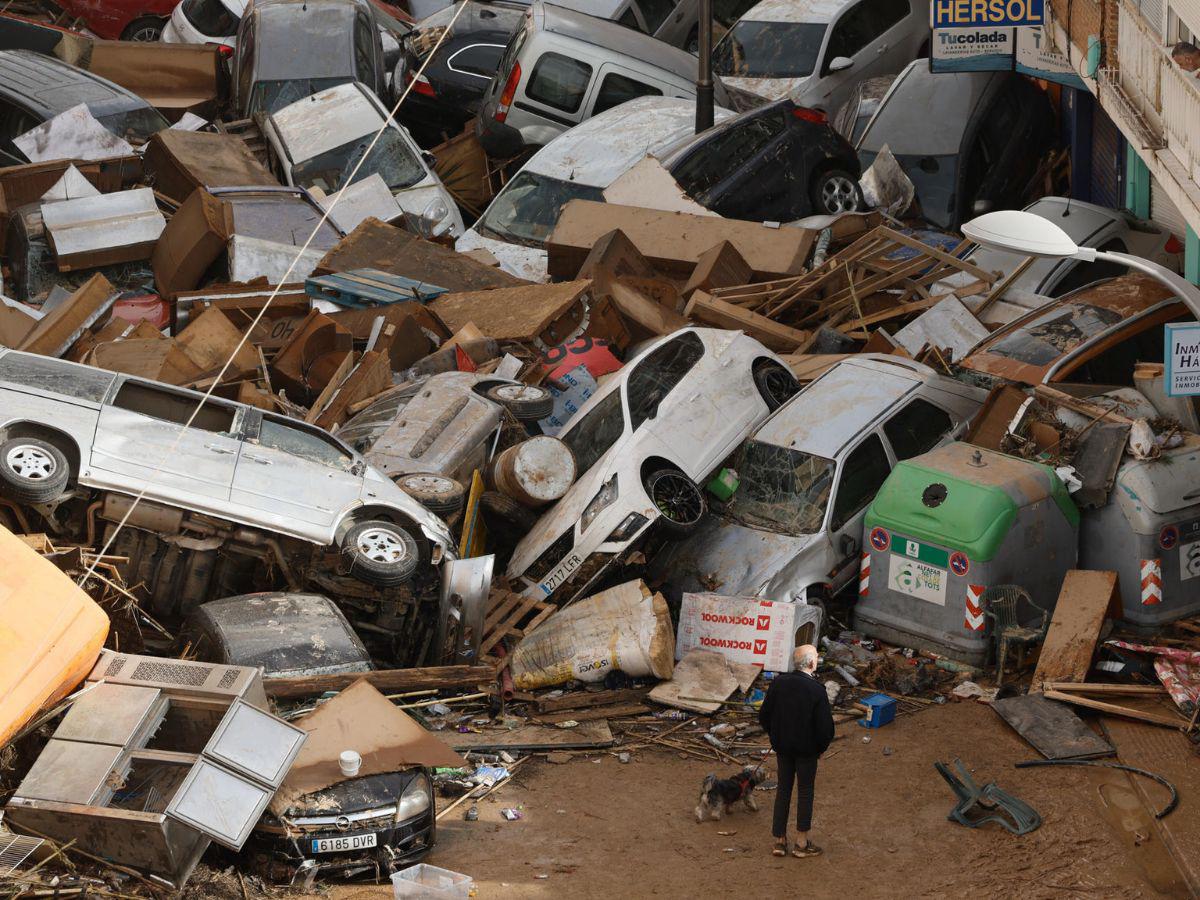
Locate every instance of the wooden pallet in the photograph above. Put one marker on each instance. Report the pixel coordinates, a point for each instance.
(511, 615)
(363, 288)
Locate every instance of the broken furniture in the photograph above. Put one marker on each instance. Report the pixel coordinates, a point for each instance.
(155, 759)
(1002, 604)
(977, 806)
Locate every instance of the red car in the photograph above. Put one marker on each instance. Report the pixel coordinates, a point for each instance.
(125, 20)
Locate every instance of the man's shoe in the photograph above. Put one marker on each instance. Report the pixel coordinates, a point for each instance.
(805, 850)
(780, 848)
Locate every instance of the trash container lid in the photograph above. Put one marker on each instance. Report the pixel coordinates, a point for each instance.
(1162, 485)
(945, 498)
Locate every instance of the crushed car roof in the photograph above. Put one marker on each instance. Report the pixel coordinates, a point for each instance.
(305, 40)
(320, 122)
(816, 11)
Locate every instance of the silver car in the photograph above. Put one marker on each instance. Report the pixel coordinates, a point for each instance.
(66, 425)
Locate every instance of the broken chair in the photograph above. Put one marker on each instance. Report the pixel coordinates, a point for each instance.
(977, 806)
(1005, 605)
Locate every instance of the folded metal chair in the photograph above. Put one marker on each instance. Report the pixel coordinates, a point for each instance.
(977, 806)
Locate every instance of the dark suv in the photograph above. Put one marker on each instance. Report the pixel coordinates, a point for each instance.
(777, 163)
(35, 88)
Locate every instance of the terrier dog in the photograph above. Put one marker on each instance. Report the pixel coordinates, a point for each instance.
(718, 795)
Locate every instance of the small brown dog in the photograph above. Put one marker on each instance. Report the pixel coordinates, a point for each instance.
(718, 795)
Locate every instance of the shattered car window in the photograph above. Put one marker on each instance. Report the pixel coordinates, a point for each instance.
(272, 96)
(769, 50)
(51, 375)
(780, 490)
(305, 444)
(714, 160)
(1055, 334)
(135, 125)
(656, 375)
(590, 437)
(526, 211)
(391, 158)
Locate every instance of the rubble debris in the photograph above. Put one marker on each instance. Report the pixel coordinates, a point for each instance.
(1086, 599)
(183, 161)
(1051, 728)
(536, 738)
(545, 315)
(192, 241)
(62, 326)
(391, 681)
(701, 681)
(73, 134)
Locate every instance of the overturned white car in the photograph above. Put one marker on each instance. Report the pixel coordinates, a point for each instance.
(642, 445)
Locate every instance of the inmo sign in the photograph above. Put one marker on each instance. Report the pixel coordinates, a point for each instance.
(985, 13)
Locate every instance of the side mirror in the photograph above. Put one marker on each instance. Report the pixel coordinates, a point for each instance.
(847, 545)
(359, 468)
(430, 159)
(840, 63)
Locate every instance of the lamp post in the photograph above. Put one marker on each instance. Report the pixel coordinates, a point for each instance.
(1030, 235)
(704, 82)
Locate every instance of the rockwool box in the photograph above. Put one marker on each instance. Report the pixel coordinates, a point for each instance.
(743, 629)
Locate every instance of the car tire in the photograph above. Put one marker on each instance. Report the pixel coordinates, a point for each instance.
(692, 45)
(32, 471)
(440, 495)
(835, 191)
(381, 553)
(679, 500)
(525, 401)
(776, 385)
(146, 30)
(508, 510)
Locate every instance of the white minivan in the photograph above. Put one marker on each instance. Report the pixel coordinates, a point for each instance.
(562, 67)
(577, 165)
(204, 22)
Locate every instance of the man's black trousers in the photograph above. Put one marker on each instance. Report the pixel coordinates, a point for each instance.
(802, 772)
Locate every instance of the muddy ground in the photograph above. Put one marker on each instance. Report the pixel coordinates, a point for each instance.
(597, 828)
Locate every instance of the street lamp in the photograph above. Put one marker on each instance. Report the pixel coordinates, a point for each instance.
(1023, 232)
(704, 83)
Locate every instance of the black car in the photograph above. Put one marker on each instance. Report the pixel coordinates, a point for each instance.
(290, 49)
(777, 163)
(369, 825)
(970, 142)
(35, 88)
(446, 95)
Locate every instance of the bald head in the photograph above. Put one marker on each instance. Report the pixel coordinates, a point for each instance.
(805, 658)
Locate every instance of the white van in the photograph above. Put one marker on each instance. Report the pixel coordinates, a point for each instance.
(578, 164)
(562, 67)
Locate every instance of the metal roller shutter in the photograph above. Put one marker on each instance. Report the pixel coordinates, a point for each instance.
(1106, 161)
(1164, 212)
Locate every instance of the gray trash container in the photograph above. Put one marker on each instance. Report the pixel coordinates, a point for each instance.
(947, 525)
(1149, 534)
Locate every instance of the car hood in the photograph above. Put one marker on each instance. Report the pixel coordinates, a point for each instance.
(770, 88)
(354, 795)
(524, 262)
(733, 560)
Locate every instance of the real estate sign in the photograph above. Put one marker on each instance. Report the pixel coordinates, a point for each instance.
(1181, 358)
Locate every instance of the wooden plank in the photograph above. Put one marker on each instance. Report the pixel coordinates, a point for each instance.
(1082, 604)
(940, 255)
(1124, 711)
(211, 339)
(883, 315)
(340, 374)
(708, 309)
(546, 612)
(514, 314)
(643, 312)
(502, 607)
(370, 377)
(588, 699)
(1051, 728)
(1101, 688)
(534, 737)
(719, 266)
(389, 681)
(616, 711)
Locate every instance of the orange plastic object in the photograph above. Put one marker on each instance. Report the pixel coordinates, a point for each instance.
(50, 634)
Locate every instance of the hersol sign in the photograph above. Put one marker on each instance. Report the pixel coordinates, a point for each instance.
(985, 13)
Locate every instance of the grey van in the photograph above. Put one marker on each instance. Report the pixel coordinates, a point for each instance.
(35, 88)
(562, 67)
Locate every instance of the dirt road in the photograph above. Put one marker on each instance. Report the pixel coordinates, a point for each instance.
(596, 828)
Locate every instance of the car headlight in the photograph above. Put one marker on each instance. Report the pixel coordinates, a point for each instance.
(436, 212)
(629, 526)
(415, 799)
(604, 498)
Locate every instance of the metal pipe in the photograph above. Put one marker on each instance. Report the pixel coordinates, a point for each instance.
(704, 83)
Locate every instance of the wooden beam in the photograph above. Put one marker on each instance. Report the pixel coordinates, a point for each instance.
(587, 699)
(1101, 688)
(390, 681)
(708, 309)
(1113, 710)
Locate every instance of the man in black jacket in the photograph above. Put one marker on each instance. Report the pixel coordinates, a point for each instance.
(797, 716)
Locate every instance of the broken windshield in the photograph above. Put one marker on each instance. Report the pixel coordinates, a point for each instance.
(526, 211)
(780, 490)
(592, 436)
(391, 157)
(769, 50)
(272, 96)
(1055, 334)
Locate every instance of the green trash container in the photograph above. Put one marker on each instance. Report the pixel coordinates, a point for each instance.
(947, 525)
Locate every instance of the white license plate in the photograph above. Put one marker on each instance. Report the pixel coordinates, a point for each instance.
(345, 844)
(561, 574)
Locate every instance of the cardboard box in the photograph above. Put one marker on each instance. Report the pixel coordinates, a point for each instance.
(181, 161)
(67, 322)
(173, 78)
(743, 629)
(192, 241)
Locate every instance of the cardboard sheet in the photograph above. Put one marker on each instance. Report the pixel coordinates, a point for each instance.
(701, 681)
(360, 718)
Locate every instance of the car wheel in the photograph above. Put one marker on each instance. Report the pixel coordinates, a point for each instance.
(145, 30)
(508, 510)
(835, 191)
(32, 471)
(775, 383)
(440, 495)
(693, 42)
(679, 500)
(526, 402)
(381, 553)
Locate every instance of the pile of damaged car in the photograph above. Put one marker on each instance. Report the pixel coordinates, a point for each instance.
(449, 445)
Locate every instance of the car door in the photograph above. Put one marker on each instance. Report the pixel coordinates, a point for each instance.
(862, 473)
(760, 179)
(865, 33)
(662, 22)
(916, 427)
(669, 418)
(615, 85)
(144, 440)
(470, 69)
(295, 476)
(556, 88)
